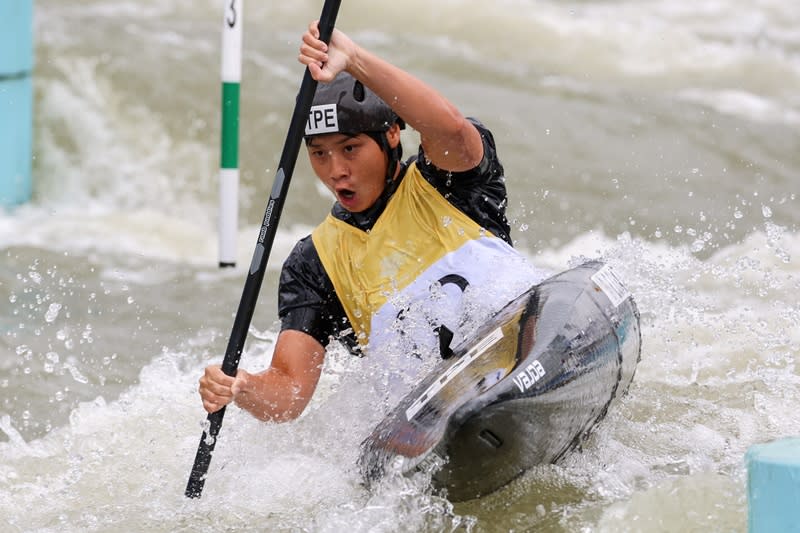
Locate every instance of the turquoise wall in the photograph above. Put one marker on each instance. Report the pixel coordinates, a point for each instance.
(16, 100)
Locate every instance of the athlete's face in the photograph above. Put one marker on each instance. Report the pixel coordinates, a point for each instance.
(352, 168)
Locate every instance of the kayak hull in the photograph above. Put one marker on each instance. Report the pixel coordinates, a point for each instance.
(525, 389)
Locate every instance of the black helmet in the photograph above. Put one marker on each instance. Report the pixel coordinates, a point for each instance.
(345, 105)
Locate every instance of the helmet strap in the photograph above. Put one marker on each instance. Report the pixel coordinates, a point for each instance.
(394, 153)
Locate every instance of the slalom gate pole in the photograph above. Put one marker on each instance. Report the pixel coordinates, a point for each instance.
(229, 138)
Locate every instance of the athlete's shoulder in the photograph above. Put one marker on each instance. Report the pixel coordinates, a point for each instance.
(303, 250)
(302, 270)
(488, 170)
(479, 192)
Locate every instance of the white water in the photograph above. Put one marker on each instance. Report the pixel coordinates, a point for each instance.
(660, 136)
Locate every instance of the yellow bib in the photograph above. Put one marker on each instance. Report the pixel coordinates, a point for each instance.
(418, 228)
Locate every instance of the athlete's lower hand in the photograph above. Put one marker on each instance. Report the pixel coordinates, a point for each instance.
(216, 389)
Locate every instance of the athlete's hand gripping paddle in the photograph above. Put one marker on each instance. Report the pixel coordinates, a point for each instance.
(258, 265)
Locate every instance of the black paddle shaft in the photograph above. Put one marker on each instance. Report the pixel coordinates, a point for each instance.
(258, 265)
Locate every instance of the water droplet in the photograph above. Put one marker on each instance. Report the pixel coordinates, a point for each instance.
(76, 374)
(766, 211)
(737, 214)
(52, 312)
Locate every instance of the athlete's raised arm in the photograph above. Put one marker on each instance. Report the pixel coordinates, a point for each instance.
(450, 141)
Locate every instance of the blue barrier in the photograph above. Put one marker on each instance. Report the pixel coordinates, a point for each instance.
(16, 100)
(773, 486)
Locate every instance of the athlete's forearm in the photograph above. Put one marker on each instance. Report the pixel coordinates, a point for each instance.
(271, 396)
(283, 390)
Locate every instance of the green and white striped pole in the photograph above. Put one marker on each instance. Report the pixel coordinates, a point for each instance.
(229, 145)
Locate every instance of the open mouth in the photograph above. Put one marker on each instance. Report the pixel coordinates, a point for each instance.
(347, 198)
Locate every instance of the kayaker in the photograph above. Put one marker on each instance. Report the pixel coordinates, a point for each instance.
(388, 270)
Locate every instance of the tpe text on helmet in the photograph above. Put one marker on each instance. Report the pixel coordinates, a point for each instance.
(322, 119)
